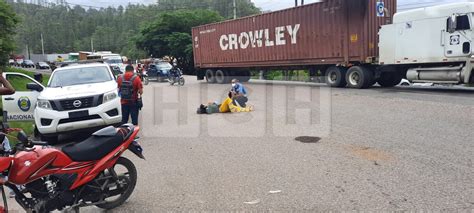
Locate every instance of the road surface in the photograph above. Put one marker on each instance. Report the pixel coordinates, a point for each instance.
(380, 149)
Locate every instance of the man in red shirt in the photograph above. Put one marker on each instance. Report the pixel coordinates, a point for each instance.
(130, 96)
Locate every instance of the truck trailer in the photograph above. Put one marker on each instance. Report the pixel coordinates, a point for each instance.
(353, 43)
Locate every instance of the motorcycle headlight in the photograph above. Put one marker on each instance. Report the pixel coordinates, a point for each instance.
(110, 96)
(44, 104)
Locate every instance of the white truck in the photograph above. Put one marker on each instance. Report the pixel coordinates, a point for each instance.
(433, 44)
(78, 97)
(110, 58)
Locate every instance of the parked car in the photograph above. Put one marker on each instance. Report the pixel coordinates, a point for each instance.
(18, 62)
(27, 64)
(78, 97)
(159, 70)
(42, 65)
(11, 62)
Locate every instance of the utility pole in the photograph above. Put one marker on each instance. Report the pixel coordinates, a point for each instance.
(296, 3)
(235, 9)
(302, 2)
(42, 44)
(92, 45)
(27, 51)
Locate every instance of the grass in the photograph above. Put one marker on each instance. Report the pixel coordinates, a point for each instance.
(295, 75)
(20, 85)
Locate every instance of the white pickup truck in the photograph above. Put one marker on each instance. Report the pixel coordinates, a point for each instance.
(78, 97)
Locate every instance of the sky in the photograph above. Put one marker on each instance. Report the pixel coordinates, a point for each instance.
(265, 5)
(282, 4)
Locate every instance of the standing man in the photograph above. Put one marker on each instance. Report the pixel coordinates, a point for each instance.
(239, 94)
(131, 89)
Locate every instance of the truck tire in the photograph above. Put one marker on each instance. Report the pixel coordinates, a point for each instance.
(336, 76)
(210, 76)
(359, 77)
(221, 77)
(389, 79)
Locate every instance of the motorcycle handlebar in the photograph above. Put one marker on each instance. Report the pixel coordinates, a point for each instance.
(39, 143)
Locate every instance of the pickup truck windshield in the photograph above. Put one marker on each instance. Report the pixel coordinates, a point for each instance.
(164, 66)
(113, 61)
(88, 75)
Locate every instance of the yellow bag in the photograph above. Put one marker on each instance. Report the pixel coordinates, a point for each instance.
(234, 108)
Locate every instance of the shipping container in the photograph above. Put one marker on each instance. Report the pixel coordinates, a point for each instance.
(354, 43)
(325, 33)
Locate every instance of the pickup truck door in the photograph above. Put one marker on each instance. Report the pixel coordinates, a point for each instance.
(459, 42)
(20, 106)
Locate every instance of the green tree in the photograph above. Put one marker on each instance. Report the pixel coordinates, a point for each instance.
(8, 22)
(170, 35)
(70, 28)
(223, 7)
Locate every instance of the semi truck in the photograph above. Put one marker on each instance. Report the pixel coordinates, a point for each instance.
(352, 43)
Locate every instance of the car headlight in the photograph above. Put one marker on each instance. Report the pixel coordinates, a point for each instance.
(110, 96)
(44, 104)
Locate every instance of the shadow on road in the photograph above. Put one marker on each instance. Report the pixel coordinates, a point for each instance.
(405, 89)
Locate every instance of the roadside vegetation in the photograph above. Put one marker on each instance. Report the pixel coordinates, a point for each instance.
(71, 28)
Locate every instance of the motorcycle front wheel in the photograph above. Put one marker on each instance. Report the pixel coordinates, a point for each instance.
(125, 173)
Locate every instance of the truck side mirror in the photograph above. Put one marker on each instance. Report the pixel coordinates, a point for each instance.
(452, 22)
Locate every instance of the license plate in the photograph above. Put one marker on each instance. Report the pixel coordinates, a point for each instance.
(79, 114)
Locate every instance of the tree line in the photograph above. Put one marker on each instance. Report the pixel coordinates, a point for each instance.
(123, 29)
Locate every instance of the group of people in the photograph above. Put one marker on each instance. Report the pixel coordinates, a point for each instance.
(236, 101)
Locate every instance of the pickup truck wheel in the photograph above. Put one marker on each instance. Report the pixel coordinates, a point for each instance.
(359, 77)
(210, 76)
(336, 76)
(389, 79)
(221, 77)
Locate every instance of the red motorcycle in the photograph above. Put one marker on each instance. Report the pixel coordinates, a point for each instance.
(92, 172)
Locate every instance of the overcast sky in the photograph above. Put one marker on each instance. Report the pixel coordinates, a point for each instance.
(281, 4)
(264, 4)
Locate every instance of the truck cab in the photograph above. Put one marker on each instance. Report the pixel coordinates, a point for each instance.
(433, 44)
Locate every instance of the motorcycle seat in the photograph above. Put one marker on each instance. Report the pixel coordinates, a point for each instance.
(95, 147)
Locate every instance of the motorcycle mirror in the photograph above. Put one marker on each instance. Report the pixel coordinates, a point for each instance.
(22, 137)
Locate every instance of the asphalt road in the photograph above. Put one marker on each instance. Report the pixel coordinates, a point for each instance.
(380, 149)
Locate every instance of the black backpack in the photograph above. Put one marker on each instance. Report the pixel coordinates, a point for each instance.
(126, 89)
